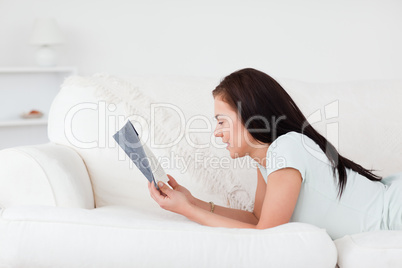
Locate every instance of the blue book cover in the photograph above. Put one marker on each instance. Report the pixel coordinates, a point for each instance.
(128, 139)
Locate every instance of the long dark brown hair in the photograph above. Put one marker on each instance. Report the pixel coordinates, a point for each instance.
(255, 94)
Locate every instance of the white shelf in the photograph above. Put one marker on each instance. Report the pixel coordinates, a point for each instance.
(23, 122)
(26, 88)
(34, 69)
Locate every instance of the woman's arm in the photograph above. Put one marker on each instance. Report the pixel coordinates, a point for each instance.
(282, 192)
(238, 214)
(177, 202)
(280, 199)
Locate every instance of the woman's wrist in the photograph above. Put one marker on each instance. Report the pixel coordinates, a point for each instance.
(194, 201)
(187, 209)
(202, 204)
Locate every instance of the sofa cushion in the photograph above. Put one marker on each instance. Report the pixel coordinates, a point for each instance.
(370, 250)
(116, 236)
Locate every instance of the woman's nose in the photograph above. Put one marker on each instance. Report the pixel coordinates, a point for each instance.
(218, 133)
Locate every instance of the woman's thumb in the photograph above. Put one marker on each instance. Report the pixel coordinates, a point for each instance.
(164, 188)
(172, 182)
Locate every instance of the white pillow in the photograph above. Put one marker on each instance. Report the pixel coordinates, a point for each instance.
(90, 110)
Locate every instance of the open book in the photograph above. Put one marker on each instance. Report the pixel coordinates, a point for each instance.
(128, 139)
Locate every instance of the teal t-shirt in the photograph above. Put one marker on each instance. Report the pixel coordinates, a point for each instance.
(364, 203)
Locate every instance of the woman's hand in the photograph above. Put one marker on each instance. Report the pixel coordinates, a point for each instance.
(171, 199)
(177, 187)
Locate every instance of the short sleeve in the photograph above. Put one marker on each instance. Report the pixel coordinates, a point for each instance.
(287, 151)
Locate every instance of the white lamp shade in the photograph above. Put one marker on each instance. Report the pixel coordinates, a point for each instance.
(46, 32)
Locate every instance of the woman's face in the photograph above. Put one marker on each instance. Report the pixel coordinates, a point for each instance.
(231, 130)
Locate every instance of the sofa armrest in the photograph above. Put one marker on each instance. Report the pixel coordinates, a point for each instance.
(46, 174)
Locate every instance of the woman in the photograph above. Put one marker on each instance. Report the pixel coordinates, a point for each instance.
(308, 181)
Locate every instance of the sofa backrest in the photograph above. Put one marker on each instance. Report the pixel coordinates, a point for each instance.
(360, 118)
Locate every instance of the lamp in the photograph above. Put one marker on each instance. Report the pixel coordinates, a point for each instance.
(45, 34)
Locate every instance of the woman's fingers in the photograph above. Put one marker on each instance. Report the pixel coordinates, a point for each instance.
(172, 182)
(151, 191)
(155, 194)
(165, 189)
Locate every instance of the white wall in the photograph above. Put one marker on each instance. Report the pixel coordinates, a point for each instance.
(306, 40)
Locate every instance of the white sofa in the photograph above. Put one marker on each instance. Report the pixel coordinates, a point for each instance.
(79, 202)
